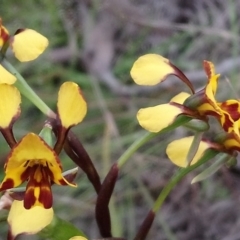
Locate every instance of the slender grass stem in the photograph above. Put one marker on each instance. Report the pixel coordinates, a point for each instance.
(27, 91)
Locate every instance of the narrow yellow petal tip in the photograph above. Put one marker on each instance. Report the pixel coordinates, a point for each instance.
(28, 221)
(6, 77)
(28, 44)
(154, 119)
(180, 98)
(177, 151)
(72, 107)
(9, 104)
(151, 69)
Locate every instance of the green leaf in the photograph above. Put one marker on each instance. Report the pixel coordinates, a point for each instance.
(47, 135)
(180, 120)
(223, 158)
(194, 147)
(60, 229)
(208, 155)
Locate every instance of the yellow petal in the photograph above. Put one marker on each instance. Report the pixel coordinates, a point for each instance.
(6, 77)
(31, 147)
(177, 151)
(28, 44)
(77, 238)
(210, 104)
(154, 119)
(72, 107)
(233, 139)
(232, 143)
(28, 221)
(151, 69)
(212, 77)
(10, 100)
(180, 98)
(213, 82)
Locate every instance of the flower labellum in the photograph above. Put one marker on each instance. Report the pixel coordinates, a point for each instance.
(32, 160)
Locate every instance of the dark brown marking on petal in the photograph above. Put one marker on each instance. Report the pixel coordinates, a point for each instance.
(29, 198)
(232, 109)
(4, 34)
(26, 163)
(45, 196)
(208, 68)
(49, 172)
(211, 113)
(39, 177)
(7, 184)
(26, 173)
(19, 31)
(227, 122)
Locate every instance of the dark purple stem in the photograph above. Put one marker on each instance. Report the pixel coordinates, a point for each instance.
(9, 137)
(145, 227)
(79, 155)
(102, 210)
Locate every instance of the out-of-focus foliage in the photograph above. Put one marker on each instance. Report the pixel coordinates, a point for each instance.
(95, 43)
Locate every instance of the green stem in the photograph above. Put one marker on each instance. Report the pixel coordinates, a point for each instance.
(147, 137)
(27, 91)
(194, 147)
(133, 148)
(209, 154)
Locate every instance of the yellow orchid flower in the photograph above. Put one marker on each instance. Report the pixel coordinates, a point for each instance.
(152, 69)
(226, 112)
(32, 160)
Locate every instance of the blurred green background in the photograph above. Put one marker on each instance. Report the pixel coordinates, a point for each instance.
(95, 43)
